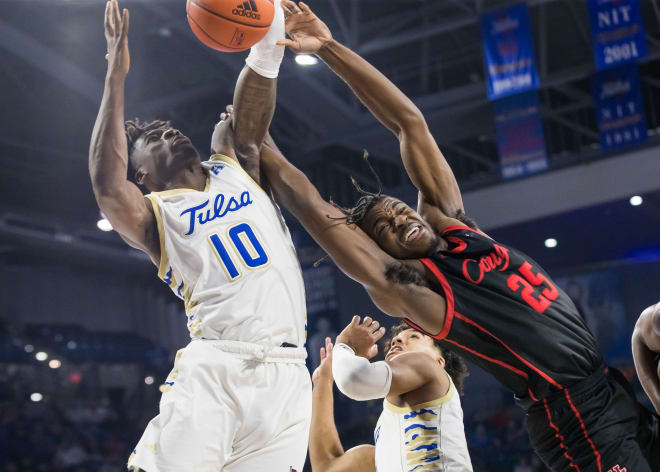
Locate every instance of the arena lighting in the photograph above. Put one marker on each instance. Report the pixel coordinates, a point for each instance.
(551, 242)
(54, 364)
(104, 225)
(306, 60)
(149, 380)
(41, 356)
(29, 348)
(36, 397)
(636, 200)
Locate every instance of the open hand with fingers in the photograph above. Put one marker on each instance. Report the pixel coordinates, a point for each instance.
(116, 35)
(323, 372)
(362, 336)
(307, 34)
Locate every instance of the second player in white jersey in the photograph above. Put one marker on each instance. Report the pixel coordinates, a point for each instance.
(218, 242)
(425, 437)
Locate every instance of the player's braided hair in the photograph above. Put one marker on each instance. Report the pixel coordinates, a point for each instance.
(134, 130)
(355, 215)
(454, 364)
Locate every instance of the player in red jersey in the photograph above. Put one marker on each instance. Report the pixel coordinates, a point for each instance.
(485, 300)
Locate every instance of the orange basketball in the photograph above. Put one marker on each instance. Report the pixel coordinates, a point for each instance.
(230, 25)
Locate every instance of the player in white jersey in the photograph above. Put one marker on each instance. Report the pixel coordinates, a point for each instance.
(239, 395)
(421, 426)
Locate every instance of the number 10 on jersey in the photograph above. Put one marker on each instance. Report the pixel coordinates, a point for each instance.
(246, 246)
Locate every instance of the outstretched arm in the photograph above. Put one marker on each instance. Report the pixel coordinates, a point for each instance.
(254, 97)
(120, 200)
(325, 450)
(356, 254)
(423, 160)
(646, 352)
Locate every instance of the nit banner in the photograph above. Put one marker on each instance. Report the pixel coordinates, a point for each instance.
(520, 137)
(619, 106)
(509, 51)
(617, 31)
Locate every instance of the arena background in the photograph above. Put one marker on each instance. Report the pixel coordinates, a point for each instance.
(109, 328)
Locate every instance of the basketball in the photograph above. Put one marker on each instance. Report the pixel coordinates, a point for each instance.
(230, 25)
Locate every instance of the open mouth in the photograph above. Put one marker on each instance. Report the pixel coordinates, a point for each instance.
(412, 233)
(395, 349)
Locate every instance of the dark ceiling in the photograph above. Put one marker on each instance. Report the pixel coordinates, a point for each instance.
(52, 69)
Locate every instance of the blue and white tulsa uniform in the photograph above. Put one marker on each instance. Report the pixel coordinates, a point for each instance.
(423, 438)
(235, 400)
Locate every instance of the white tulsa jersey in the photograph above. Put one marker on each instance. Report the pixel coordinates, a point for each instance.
(426, 437)
(228, 254)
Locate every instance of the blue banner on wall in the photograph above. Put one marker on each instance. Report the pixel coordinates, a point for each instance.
(520, 137)
(619, 107)
(617, 31)
(509, 51)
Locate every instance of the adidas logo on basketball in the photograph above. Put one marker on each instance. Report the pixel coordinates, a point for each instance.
(247, 9)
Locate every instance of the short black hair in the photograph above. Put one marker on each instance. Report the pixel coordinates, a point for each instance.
(454, 364)
(134, 130)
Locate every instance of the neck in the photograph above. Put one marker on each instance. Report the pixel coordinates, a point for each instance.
(193, 176)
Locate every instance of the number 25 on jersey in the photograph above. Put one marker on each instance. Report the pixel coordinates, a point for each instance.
(246, 246)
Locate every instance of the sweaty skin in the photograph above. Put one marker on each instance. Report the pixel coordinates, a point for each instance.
(646, 352)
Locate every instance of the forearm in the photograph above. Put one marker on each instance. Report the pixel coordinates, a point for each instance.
(254, 105)
(357, 378)
(385, 101)
(108, 155)
(648, 369)
(324, 442)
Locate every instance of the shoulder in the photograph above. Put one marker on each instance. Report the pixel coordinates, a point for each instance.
(648, 324)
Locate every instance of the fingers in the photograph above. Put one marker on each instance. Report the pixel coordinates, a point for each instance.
(305, 8)
(125, 23)
(287, 7)
(230, 108)
(107, 20)
(323, 354)
(116, 15)
(286, 42)
(355, 321)
(378, 334)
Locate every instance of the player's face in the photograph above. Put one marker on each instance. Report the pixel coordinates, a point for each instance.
(410, 340)
(399, 230)
(160, 155)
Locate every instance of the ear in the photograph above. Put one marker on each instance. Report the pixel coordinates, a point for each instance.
(442, 362)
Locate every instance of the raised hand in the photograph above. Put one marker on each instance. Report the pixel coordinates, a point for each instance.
(362, 336)
(116, 35)
(307, 34)
(323, 372)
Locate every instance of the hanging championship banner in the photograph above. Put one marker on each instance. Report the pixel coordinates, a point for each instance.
(509, 51)
(617, 31)
(520, 137)
(619, 107)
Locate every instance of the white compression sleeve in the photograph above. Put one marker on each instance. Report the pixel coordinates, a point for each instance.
(265, 57)
(356, 377)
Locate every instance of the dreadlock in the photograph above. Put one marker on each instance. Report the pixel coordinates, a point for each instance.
(136, 129)
(454, 364)
(355, 215)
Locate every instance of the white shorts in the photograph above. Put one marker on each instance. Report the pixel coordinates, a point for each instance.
(230, 406)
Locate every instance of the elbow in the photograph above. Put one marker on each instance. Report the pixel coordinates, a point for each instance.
(410, 120)
(348, 384)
